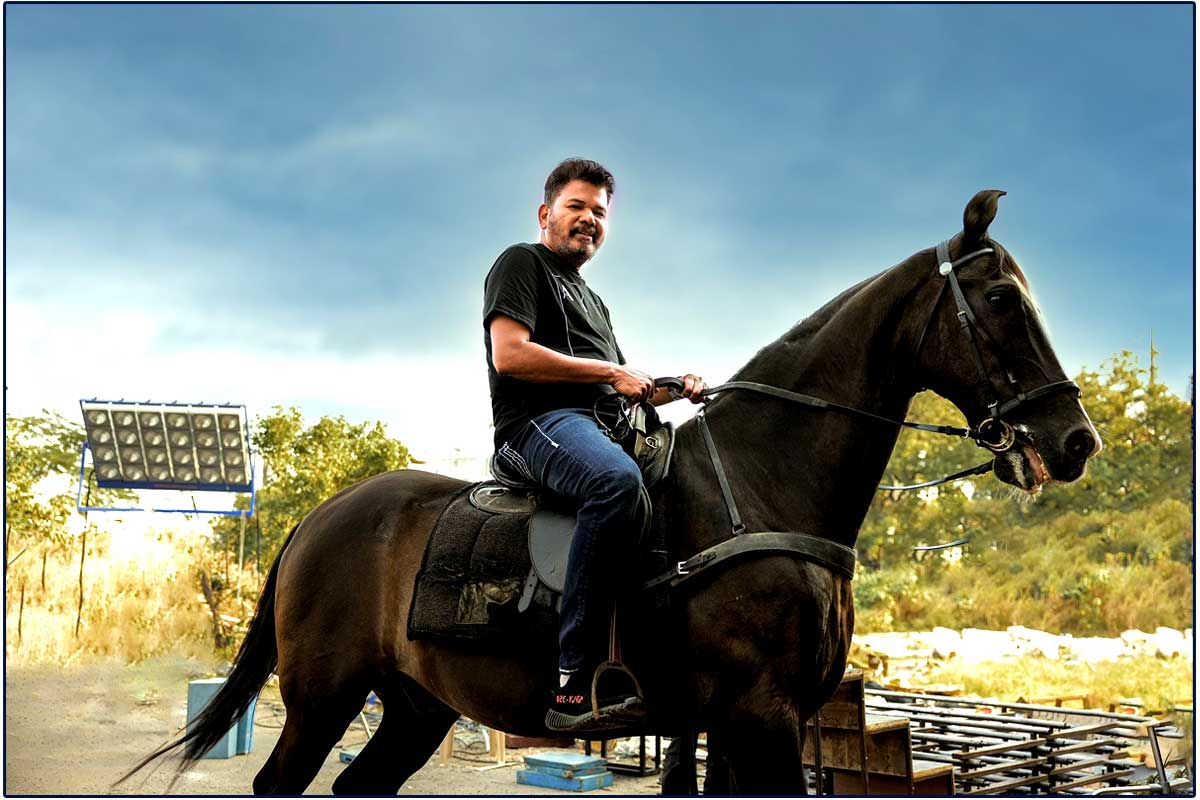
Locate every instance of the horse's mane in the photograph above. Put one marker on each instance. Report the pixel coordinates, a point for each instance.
(795, 346)
(797, 338)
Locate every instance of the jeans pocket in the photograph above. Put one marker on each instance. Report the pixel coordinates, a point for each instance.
(514, 459)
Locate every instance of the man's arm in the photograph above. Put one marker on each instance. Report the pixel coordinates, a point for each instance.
(513, 355)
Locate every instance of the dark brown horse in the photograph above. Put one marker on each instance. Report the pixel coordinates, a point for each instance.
(747, 653)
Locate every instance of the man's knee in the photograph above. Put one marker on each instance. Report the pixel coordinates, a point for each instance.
(622, 482)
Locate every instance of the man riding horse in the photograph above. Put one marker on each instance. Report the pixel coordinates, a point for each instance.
(551, 354)
(767, 492)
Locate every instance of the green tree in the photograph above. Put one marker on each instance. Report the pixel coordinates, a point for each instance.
(38, 449)
(42, 458)
(1147, 435)
(1074, 557)
(900, 520)
(304, 466)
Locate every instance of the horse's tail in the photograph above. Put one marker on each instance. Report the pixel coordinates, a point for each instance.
(255, 661)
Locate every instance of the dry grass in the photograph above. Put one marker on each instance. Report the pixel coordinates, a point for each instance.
(1158, 684)
(139, 601)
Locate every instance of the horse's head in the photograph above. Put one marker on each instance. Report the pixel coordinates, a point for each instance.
(985, 349)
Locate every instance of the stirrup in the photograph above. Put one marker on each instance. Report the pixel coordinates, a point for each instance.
(618, 667)
(628, 715)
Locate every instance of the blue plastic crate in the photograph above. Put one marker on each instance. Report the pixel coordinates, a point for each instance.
(583, 783)
(240, 737)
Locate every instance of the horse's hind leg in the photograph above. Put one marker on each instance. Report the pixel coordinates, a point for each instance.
(413, 725)
(313, 726)
(763, 758)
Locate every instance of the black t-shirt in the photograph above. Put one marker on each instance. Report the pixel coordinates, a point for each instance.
(532, 285)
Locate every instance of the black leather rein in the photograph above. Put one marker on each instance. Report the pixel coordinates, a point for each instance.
(993, 433)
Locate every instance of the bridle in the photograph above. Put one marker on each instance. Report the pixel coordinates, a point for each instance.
(992, 433)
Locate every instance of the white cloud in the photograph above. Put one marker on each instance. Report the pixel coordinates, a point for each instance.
(433, 405)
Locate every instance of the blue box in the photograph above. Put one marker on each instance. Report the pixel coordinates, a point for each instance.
(564, 759)
(585, 783)
(240, 737)
(245, 729)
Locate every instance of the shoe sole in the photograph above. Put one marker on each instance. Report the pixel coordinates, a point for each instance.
(624, 715)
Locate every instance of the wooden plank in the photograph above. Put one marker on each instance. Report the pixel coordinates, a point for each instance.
(1002, 767)
(839, 714)
(1106, 776)
(1083, 730)
(927, 769)
(880, 723)
(941, 758)
(1005, 747)
(888, 752)
(497, 745)
(924, 735)
(1090, 744)
(1079, 766)
(998, 788)
(988, 721)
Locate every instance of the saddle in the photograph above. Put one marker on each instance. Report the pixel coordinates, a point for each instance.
(477, 583)
(552, 521)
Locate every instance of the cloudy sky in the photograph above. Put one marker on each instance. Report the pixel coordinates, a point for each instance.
(297, 205)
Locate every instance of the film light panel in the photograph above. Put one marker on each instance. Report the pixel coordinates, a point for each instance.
(168, 445)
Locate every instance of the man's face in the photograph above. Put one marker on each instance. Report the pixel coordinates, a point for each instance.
(575, 224)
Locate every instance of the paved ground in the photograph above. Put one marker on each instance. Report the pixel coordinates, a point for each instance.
(75, 730)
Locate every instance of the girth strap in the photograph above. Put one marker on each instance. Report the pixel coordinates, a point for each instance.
(836, 557)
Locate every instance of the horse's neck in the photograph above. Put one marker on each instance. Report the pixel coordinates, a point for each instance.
(796, 468)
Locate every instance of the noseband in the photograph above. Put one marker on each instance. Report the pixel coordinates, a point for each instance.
(993, 432)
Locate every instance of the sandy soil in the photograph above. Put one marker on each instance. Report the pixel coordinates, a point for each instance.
(75, 730)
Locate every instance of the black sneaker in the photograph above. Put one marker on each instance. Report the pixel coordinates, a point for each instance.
(618, 704)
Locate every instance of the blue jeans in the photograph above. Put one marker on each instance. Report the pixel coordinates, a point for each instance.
(567, 452)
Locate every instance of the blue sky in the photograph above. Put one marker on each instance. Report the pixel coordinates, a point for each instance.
(297, 205)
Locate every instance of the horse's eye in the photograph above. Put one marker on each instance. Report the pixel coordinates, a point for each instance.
(1001, 300)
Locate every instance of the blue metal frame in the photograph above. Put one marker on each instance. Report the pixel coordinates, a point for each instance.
(83, 451)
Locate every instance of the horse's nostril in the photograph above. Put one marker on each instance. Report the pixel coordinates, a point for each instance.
(1080, 444)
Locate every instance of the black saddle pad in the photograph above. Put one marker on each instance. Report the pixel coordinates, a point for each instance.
(472, 575)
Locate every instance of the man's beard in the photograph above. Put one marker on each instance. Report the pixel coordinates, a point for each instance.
(571, 251)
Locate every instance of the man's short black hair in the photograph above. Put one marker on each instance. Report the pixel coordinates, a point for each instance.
(578, 169)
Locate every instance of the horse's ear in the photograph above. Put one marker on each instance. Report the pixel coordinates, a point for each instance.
(979, 215)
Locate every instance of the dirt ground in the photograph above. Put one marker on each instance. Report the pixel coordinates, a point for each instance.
(74, 730)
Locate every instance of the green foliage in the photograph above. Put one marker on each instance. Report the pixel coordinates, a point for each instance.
(1147, 435)
(1110, 552)
(41, 461)
(38, 448)
(305, 466)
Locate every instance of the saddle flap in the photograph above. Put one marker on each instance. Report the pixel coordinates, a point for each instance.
(549, 544)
